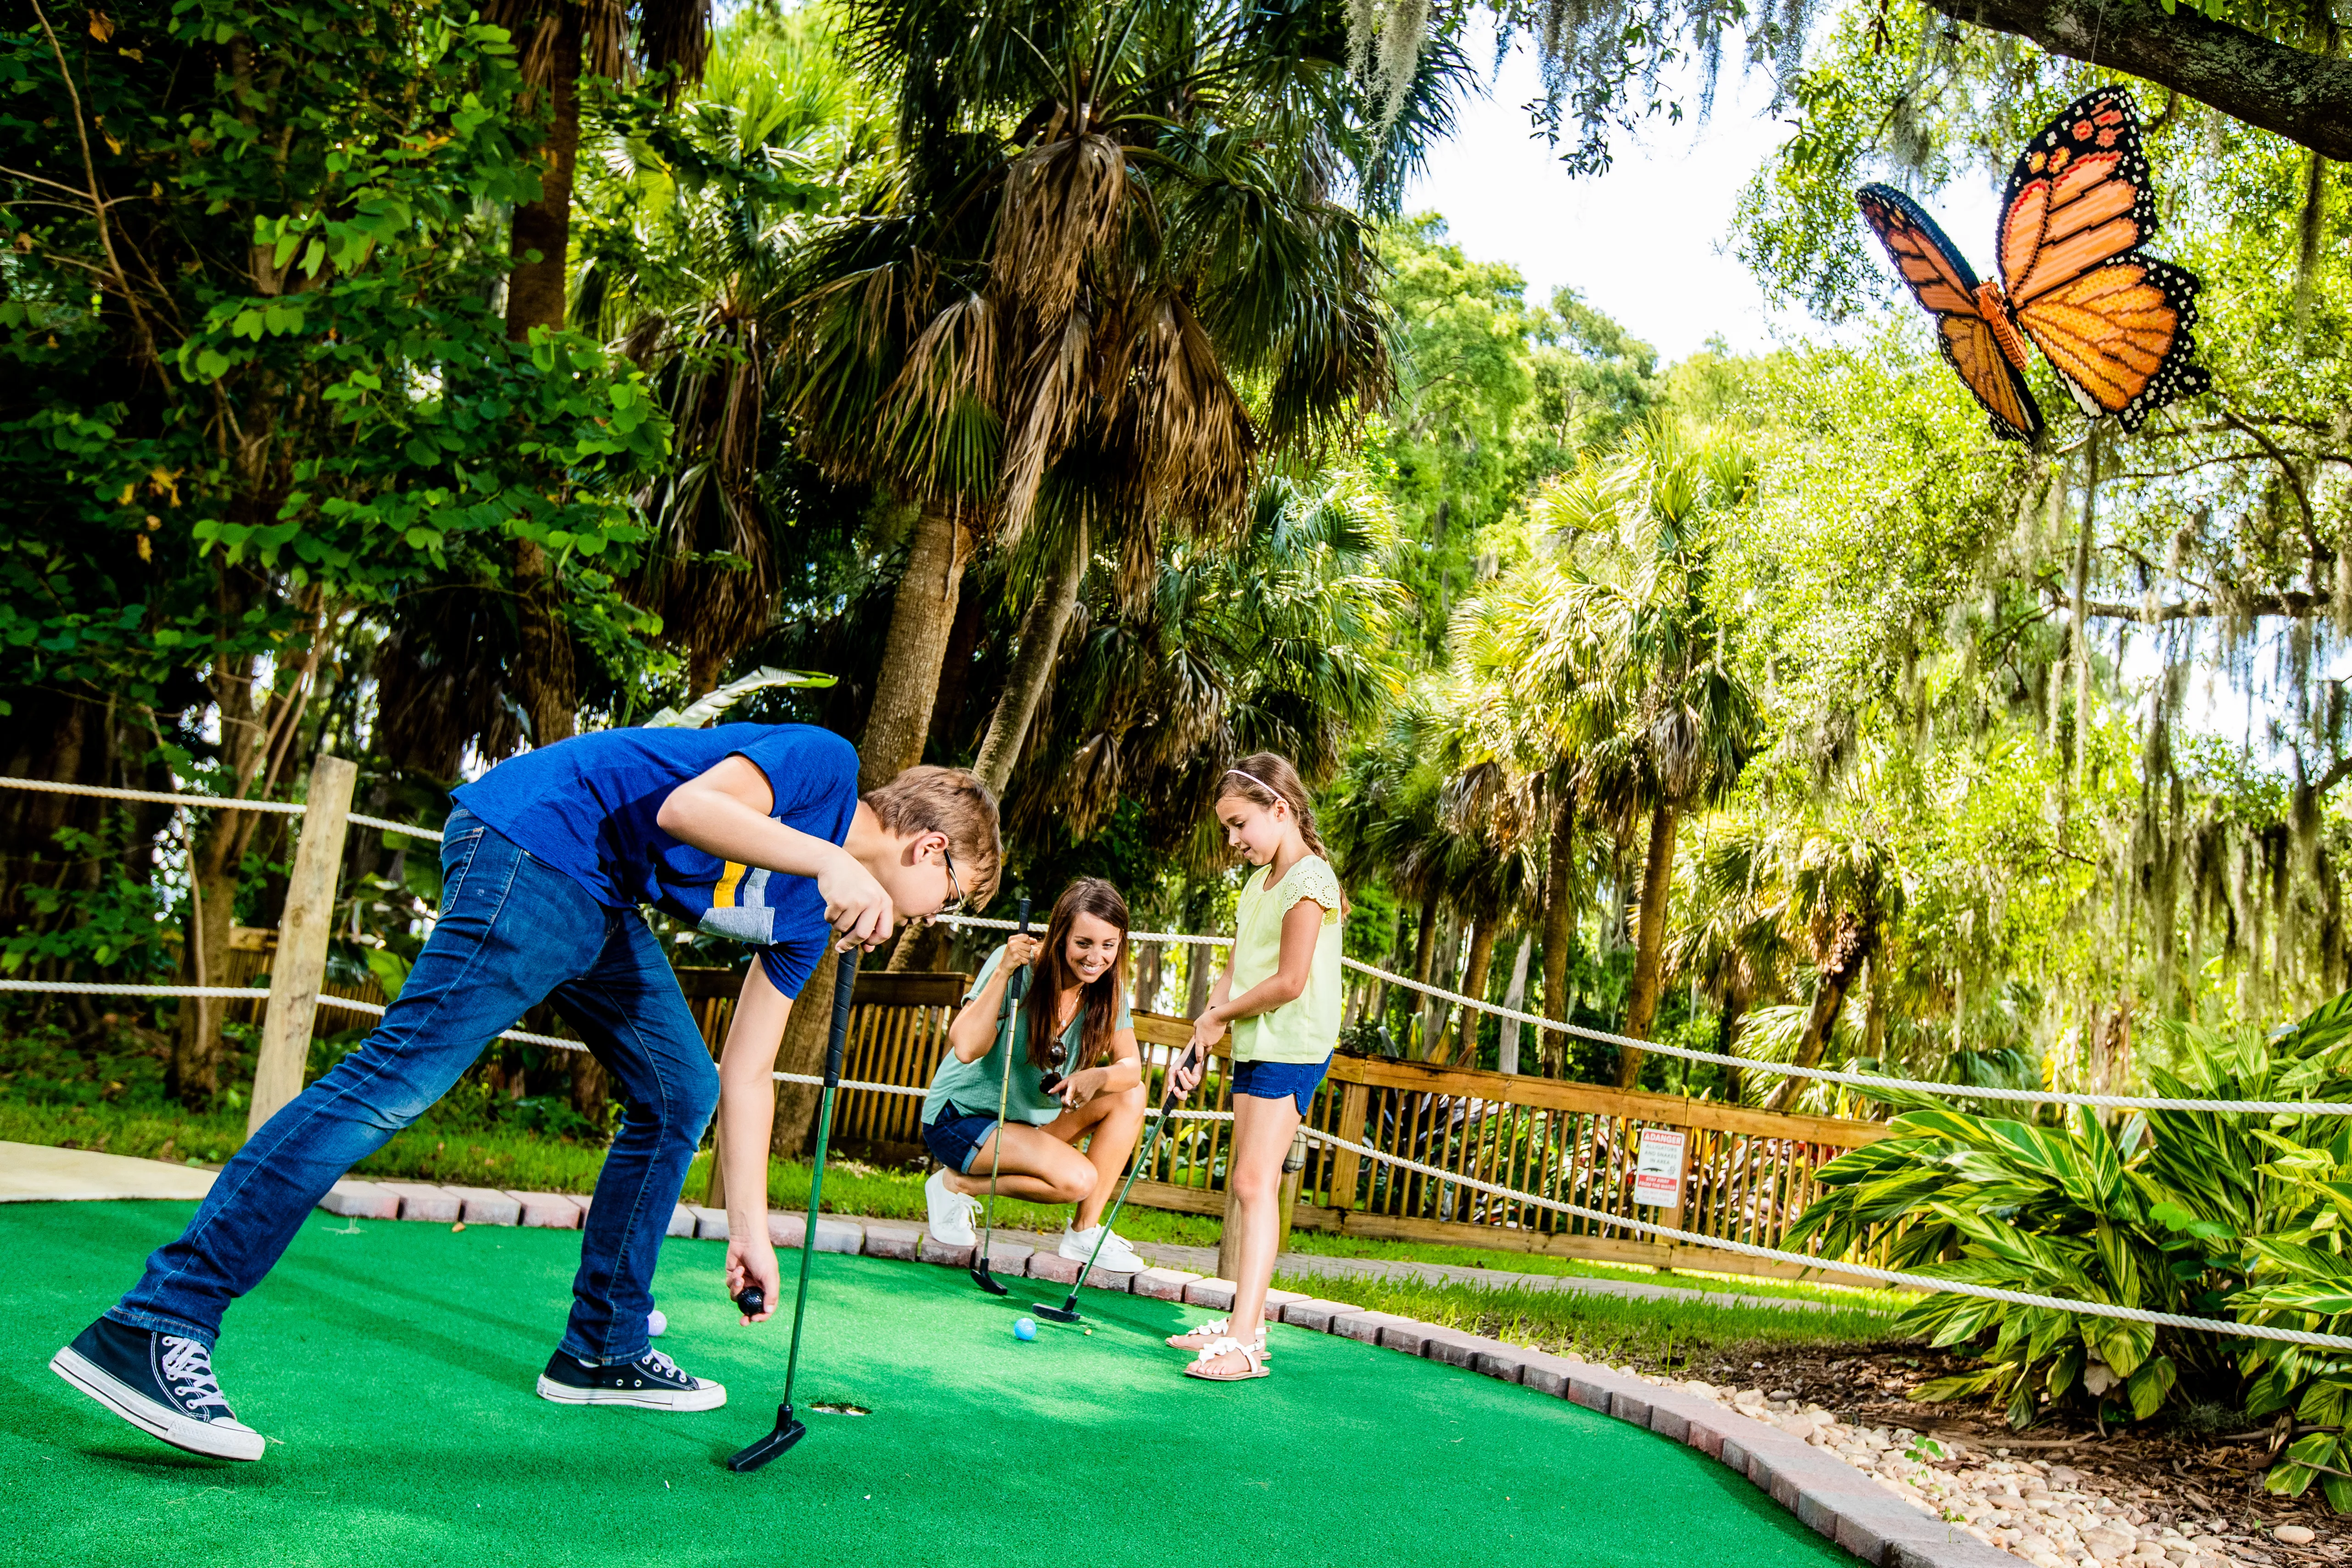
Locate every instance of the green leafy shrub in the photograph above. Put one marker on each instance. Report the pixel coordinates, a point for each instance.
(2194, 1213)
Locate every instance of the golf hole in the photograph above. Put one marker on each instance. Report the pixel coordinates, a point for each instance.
(831, 1407)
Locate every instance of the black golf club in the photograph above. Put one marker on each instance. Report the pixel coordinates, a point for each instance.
(1016, 988)
(789, 1429)
(1067, 1313)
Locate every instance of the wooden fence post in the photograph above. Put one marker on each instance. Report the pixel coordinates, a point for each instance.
(1347, 1164)
(300, 964)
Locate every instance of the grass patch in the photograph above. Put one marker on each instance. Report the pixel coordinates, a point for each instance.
(1660, 1336)
(1337, 1244)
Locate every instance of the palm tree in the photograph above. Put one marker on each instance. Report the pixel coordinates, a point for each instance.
(1676, 720)
(1111, 221)
(1844, 893)
(685, 242)
(1733, 940)
(1278, 643)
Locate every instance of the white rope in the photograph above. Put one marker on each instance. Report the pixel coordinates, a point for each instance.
(1865, 1081)
(985, 923)
(50, 786)
(1890, 1276)
(404, 829)
(226, 802)
(83, 989)
(1871, 1081)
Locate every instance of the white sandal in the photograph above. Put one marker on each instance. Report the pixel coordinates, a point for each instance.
(1253, 1361)
(1209, 1333)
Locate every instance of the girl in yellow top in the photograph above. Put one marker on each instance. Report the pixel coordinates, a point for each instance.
(1280, 992)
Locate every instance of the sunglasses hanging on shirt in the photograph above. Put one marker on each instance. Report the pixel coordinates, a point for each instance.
(1056, 1054)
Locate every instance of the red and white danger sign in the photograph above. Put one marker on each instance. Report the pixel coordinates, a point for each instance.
(1658, 1173)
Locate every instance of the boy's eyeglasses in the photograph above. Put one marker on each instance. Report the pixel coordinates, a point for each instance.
(954, 906)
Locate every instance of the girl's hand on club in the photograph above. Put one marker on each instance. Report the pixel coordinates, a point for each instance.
(1187, 1069)
(1021, 948)
(1207, 1030)
(751, 1262)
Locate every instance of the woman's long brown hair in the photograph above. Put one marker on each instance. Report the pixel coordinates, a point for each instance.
(1097, 1003)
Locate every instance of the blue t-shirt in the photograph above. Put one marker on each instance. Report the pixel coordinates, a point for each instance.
(587, 806)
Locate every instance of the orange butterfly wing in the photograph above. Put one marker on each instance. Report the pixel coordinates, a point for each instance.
(2077, 207)
(1941, 279)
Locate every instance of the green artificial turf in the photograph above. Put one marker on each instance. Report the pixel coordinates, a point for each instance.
(391, 1365)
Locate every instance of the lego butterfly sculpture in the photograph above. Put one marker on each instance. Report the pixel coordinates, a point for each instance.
(2113, 321)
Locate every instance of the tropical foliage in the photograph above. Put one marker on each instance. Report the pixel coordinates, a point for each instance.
(2201, 1214)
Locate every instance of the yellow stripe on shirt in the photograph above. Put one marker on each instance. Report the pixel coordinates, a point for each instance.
(723, 896)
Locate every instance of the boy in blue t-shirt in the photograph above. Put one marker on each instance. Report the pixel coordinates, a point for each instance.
(755, 832)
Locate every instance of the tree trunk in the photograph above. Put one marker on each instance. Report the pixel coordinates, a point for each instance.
(922, 616)
(1558, 927)
(1727, 1025)
(192, 1077)
(1147, 975)
(1849, 949)
(1425, 940)
(1460, 1042)
(897, 725)
(1507, 1059)
(1442, 972)
(535, 287)
(1201, 972)
(546, 679)
(948, 734)
(1048, 617)
(1649, 940)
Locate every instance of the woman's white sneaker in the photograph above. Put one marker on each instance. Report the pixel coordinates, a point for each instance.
(1118, 1257)
(949, 1214)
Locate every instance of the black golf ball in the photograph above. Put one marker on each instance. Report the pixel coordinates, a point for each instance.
(753, 1301)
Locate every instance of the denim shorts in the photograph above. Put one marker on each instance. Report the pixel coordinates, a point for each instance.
(955, 1138)
(1273, 1080)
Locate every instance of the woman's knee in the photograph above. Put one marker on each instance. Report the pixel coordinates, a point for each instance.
(1072, 1181)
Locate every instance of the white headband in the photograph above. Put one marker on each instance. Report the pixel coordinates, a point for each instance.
(1262, 784)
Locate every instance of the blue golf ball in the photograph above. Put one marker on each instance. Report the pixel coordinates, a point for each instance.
(1024, 1328)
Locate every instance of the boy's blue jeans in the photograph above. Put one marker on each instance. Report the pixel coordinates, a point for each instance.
(513, 933)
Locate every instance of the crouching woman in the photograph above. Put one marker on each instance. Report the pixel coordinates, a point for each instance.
(1074, 1076)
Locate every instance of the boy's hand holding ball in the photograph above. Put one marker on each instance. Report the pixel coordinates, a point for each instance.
(751, 1262)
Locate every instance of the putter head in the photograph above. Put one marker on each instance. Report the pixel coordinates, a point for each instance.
(788, 1432)
(987, 1281)
(1061, 1314)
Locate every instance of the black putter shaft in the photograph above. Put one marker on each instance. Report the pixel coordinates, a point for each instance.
(1067, 1313)
(1016, 986)
(788, 1429)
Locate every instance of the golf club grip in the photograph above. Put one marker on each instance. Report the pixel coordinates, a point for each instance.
(845, 981)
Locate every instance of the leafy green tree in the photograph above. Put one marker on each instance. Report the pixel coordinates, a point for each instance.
(258, 390)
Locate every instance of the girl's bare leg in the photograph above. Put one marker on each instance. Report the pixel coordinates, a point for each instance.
(1263, 1130)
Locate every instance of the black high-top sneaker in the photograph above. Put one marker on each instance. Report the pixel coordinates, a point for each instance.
(653, 1382)
(161, 1384)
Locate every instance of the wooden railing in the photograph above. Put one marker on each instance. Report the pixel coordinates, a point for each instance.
(1747, 1174)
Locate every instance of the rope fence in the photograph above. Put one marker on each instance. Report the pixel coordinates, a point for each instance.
(1862, 1081)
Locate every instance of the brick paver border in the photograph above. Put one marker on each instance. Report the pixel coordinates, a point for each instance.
(1830, 1496)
